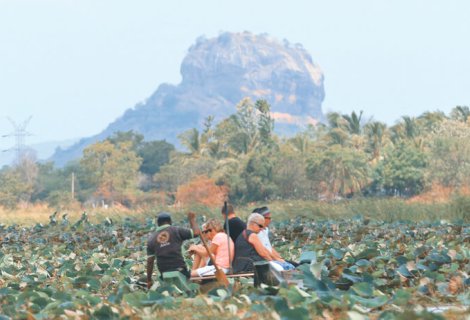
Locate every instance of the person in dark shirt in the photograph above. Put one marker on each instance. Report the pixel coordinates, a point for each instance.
(235, 224)
(165, 246)
(248, 247)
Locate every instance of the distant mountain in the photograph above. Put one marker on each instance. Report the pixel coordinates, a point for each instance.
(216, 74)
(43, 150)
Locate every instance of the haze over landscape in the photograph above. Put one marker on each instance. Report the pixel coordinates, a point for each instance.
(336, 133)
(77, 66)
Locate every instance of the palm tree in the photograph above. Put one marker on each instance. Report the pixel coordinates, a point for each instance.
(407, 129)
(461, 113)
(353, 122)
(334, 120)
(410, 126)
(430, 120)
(300, 142)
(342, 170)
(191, 140)
(375, 132)
(345, 129)
(338, 136)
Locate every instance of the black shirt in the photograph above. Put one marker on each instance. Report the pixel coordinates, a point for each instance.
(166, 244)
(236, 226)
(245, 254)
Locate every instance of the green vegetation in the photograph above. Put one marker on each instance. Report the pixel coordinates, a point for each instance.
(242, 158)
(360, 269)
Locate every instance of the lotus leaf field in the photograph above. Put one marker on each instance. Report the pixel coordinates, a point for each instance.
(360, 269)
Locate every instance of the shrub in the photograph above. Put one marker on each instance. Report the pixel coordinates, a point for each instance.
(201, 190)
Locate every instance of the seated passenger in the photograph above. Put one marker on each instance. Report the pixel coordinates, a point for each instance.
(219, 248)
(198, 252)
(248, 247)
(263, 236)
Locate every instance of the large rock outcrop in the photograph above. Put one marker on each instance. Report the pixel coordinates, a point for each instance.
(216, 74)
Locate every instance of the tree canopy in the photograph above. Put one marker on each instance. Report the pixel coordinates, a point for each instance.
(243, 158)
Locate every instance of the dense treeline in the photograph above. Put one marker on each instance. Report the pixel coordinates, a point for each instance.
(243, 158)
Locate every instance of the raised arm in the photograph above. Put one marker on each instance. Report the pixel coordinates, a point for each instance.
(192, 223)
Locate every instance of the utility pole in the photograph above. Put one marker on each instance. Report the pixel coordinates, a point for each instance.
(19, 133)
(73, 185)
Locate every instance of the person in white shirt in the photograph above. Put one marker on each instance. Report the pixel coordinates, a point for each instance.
(263, 235)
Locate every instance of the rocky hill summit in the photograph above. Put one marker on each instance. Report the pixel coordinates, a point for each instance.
(217, 73)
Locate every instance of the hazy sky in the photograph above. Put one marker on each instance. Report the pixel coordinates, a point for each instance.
(77, 65)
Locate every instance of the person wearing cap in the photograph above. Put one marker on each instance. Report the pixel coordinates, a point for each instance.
(235, 224)
(248, 247)
(263, 236)
(165, 246)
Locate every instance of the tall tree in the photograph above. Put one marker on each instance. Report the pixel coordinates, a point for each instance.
(111, 170)
(449, 161)
(403, 170)
(129, 137)
(191, 140)
(265, 124)
(12, 190)
(406, 130)
(154, 154)
(341, 170)
(335, 120)
(375, 132)
(246, 130)
(461, 113)
(18, 182)
(50, 179)
(289, 171)
(430, 120)
(353, 122)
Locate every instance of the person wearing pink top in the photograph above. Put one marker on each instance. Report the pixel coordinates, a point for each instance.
(213, 231)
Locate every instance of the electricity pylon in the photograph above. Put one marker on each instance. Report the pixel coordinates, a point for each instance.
(19, 133)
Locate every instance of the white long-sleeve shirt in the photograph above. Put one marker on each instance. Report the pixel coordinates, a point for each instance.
(263, 236)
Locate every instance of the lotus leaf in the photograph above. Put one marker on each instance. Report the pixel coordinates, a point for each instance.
(404, 272)
(401, 297)
(369, 302)
(351, 276)
(363, 263)
(259, 308)
(388, 315)
(363, 289)
(337, 254)
(89, 271)
(367, 254)
(438, 258)
(353, 315)
(296, 313)
(135, 299)
(105, 313)
(294, 295)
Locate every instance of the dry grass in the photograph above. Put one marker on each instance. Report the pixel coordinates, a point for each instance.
(439, 194)
(387, 209)
(40, 213)
(26, 216)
